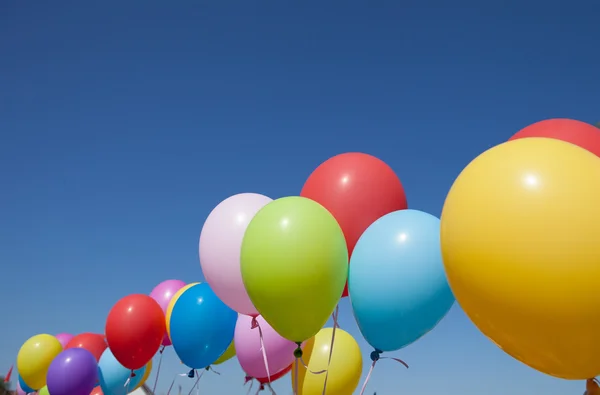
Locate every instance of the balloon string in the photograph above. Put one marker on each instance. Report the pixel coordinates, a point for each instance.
(271, 389)
(196, 383)
(251, 385)
(128, 382)
(173, 383)
(260, 388)
(158, 369)
(256, 324)
(335, 325)
(296, 378)
(375, 357)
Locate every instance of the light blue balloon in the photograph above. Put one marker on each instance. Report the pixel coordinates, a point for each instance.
(201, 326)
(113, 376)
(397, 284)
(25, 387)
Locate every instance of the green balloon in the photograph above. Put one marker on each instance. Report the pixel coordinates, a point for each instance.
(294, 263)
(44, 391)
(227, 355)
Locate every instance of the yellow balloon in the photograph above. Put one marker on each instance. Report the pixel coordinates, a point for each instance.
(172, 303)
(34, 359)
(520, 237)
(145, 376)
(345, 368)
(227, 355)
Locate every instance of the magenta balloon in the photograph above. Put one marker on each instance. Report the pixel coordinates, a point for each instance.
(163, 293)
(279, 351)
(220, 247)
(64, 338)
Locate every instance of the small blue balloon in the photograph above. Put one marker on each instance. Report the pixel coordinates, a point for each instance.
(113, 376)
(201, 326)
(27, 389)
(396, 282)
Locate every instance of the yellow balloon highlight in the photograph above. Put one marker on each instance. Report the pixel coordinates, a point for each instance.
(520, 237)
(345, 368)
(34, 359)
(172, 304)
(227, 355)
(145, 376)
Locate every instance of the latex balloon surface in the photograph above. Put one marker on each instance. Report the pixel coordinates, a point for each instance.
(93, 342)
(73, 372)
(294, 265)
(571, 131)
(357, 189)
(227, 355)
(162, 294)
(64, 338)
(202, 326)
(22, 388)
(519, 237)
(135, 329)
(114, 376)
(345, 368)
(397, 283)
(172, 303)
(220, 246)
(35, 357)
(278, 350)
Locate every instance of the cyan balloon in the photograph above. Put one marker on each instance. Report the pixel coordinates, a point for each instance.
(397, 284)
(25, 387)
(113, 376)
(202, 326)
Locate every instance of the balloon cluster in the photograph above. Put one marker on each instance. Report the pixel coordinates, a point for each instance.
(517, 245)
(520, 240)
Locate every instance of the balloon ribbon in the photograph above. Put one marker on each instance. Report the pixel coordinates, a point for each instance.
(376, 356)
(132, 375)
(256, 324)
(334, 316)
(158, 369)
(261, 387)
(197, 381)
(299, 360)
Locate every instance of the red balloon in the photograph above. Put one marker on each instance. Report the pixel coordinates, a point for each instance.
(97, 391)
(357, 189)
(92, 342)
(579, 133)
(276, 376)
(135, 328)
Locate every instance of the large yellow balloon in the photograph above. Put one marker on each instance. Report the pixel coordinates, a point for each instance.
(145, 376)
(172, 304)
(35, 357)
(227, 355)
(520, 236)
(345, 368)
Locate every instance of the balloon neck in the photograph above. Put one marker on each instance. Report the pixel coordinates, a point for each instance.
(298, 351)
(375, 355)
(132, 374)
(254, 323)
(262, 387)
(207, 368)
(191, 374)
(162, 349)
(247, 379)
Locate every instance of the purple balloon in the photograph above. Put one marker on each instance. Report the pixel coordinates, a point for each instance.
(64, 338)
(72, 372)
(163, 293)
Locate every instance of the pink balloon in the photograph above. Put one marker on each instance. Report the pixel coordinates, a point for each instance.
(19, 390)
(64, 338)
(220, 247)
(279, 351)
(163, 293)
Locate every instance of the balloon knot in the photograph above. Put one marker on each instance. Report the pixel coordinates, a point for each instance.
(132, 374)
(254, 323)
(162, 349)
(262, 387)
(207, 368)
(375, 355)
(298, 351)
(247, 379)
(191, 374)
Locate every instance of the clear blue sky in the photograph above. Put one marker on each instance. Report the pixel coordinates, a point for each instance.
(124, 123)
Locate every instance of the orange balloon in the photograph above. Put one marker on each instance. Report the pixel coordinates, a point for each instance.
(97, 391)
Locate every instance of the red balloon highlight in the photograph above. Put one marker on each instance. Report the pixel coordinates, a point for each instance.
(92, 342)
(571, 131)
(357, 189)
(135, 328)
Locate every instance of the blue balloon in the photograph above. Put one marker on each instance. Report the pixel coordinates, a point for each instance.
(27, 389)
(396, 282)
(113, 376)
(201, 326)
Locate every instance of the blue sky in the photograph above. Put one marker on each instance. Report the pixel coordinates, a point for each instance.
(123, 124)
